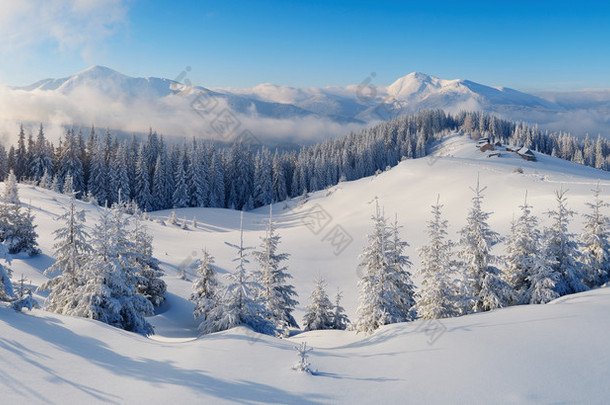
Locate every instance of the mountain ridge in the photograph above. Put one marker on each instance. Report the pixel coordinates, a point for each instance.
(299, 114)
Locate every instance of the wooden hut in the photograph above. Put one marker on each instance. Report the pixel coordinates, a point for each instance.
(526, 154)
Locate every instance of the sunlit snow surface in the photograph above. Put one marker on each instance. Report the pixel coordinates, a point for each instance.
(555, 353)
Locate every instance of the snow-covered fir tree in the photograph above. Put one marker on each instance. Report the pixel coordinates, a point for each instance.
(142, 192)
(303, 365)
(72, 249)
(41, 159)
(272, 275)
(197, 176)
(11, 191)
(24, 238)
(180, 196)
(55, 186)
(6, 287)
(99, 175)
(397, 282)
(217, 182)
(522, 253)
(439, 294)
(239, 304)
(373, 263)
(68, 185)
(386, 291)
(172, 219)
(108, 291)
(17, 229)
(595, 243)
(20, 160)
(24, 298)
(263, 187)
(542, 278)
(148, 271)
(119, 179)
(340, 319)
(485, 284)
(319, 313)
(563, 249)
(205, 289)
(163, 181)
(70, 163)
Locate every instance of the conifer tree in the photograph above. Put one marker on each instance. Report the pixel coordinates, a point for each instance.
(276, 294)
(24, 298)
(319, 313)
(386, 291)
(71, 251)
(340, 319)
(205, 289)
(438, 296)
(595, 243)
(20, 165)
(374, 263)
(108, 292)
(119, 179)
(17, 229)
(45, 180)
(70, 163)
(398, 285)
(280, 192)
(217, 187)
(42, 161)
(563, 250)
(197, 179)
(68, 186)
(263, 187)
(6, 287)
(180, 195)
(142, 192)
(99, 176)
(488, 289)
(542, 278)
(147, 269)
(523, 251)
(239, 305)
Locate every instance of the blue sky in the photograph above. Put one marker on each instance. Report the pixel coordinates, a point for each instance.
(547, 45)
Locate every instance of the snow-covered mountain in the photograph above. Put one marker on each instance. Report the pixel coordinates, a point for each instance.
(419, 91)
(107, 98)
(525, 354)
(119, 86)
(413, 92)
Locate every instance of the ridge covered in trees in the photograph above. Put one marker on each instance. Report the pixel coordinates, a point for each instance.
(197, 173)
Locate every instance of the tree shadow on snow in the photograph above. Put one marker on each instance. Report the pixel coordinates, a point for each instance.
(152, 371)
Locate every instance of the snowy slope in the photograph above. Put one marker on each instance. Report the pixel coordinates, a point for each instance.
(517, 355)
(556, 353)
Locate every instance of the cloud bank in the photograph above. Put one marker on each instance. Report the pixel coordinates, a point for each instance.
(172, 115)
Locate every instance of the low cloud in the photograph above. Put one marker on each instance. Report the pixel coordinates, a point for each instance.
(171, 115)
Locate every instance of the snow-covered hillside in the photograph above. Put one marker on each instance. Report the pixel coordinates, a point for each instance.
(528, 354)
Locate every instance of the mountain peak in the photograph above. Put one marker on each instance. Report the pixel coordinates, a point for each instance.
(99, 68)
(413, 83)
(418, 76)
(99, 72)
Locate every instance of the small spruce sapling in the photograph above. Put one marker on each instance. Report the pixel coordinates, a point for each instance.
(303, 366)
